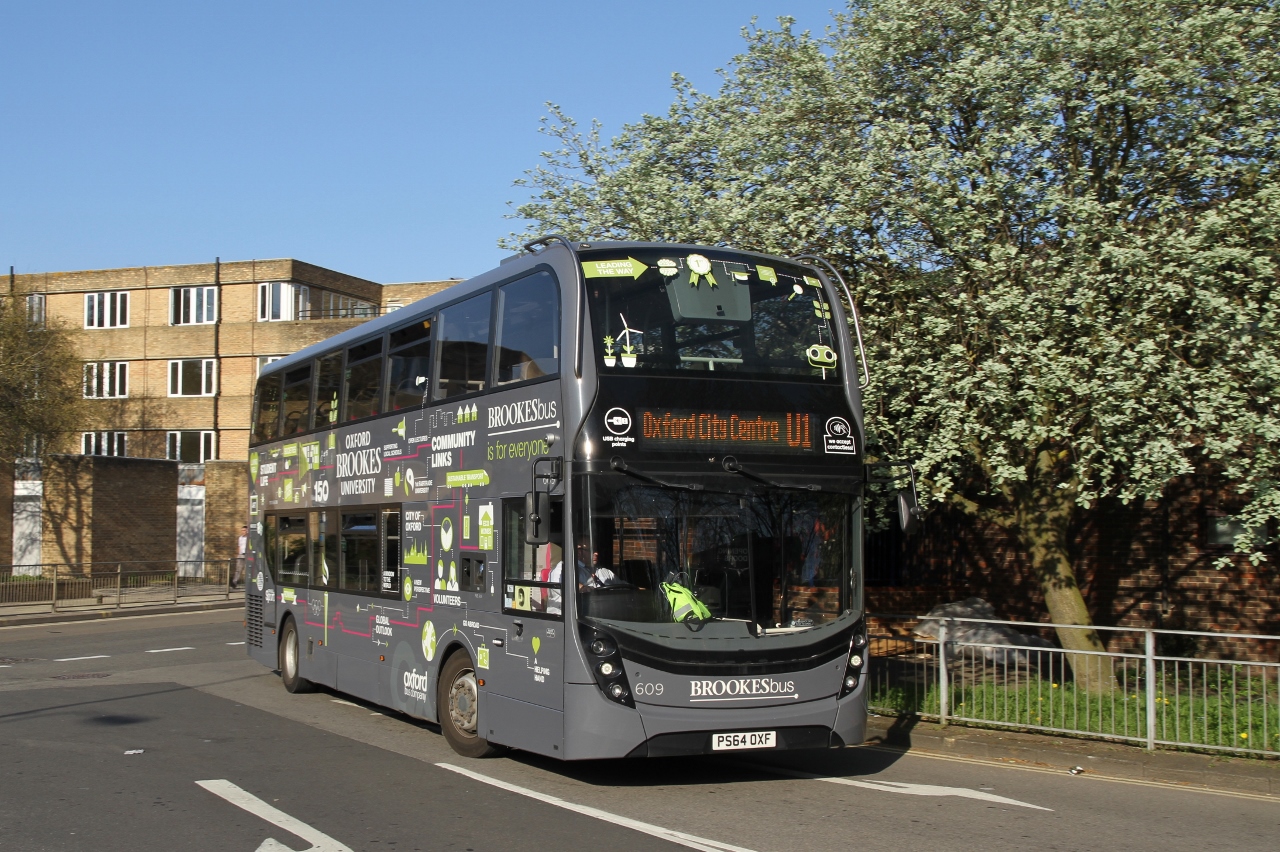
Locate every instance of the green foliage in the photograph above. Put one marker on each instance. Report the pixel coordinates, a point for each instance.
(1060, 217)
(40, 383)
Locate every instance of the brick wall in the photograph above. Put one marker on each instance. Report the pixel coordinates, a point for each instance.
(135, 509)
(226, 507)
(1144, 565)
(101, 509)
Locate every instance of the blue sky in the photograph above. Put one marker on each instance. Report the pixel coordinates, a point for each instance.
(380, 139)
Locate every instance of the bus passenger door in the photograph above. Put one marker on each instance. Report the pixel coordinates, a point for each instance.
(526, 650)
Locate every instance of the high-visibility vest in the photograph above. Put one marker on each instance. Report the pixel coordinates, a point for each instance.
(683, 603)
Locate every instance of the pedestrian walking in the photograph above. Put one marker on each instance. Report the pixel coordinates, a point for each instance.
(242, 551)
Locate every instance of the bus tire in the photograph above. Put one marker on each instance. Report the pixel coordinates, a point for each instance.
(290, 657)
(458, 705)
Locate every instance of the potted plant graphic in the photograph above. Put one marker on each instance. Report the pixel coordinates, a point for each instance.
(628, 347)
(609, 357)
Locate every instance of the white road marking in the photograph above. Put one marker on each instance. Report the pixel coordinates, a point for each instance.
(73, 659)
(690, 840)
(235, 643)
(319, 841)
(340, 701)
(904, 787)
(167, 650)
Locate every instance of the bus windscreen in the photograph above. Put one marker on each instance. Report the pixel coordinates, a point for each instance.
(657, 312)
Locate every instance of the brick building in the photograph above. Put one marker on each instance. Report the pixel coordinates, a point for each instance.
(171, 355)
(1139, 565)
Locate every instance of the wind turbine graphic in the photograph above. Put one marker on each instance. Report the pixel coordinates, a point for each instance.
(628, 349)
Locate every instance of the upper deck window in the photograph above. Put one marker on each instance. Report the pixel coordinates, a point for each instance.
(674, 312)
(464, 344)
(364, 379)
(410, 365)
(528, 332)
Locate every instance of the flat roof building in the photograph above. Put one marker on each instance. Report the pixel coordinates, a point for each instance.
(171, 353)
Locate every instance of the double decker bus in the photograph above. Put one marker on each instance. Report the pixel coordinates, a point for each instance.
(603, 501)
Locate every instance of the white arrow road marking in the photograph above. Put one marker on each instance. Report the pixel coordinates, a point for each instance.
(319, 841)
(690, 840)
(904, 787)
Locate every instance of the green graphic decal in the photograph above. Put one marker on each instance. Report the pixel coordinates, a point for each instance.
(629, 268)
(813, 282)
(415, 554)
(408, 588)
(537, 643)
(668, 267)
(821, 356)
(429, 641)
(482, 657)
(465, 478)
(253, 466)
(767, 273)
(821, 310)
(699, 268)
(610, 358)
(446, 534)
(399, 428)
(486, 526)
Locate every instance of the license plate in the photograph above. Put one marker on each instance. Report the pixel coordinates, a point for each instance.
(754, 739)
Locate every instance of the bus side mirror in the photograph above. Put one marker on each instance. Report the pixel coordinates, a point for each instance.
(908, 512)
(537, 517)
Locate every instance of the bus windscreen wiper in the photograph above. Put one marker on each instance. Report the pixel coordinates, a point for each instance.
(618, 464)
(732, 465)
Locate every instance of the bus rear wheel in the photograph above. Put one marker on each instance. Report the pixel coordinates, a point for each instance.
(289, 657)
(458, 705)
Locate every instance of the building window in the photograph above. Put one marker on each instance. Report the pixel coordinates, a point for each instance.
(106, 380)
(191, 447)
(106, 310)
(35, 308)
(103, 444)
(280, 301)
(192, 377)
(264, 360)
(193, 305)
(338, 306)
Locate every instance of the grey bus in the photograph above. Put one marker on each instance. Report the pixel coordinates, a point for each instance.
(605, 500)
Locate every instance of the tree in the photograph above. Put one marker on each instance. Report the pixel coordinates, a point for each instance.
(40, 383)
(1061, 221)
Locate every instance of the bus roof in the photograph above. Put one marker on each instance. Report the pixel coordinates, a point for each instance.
(510, 266)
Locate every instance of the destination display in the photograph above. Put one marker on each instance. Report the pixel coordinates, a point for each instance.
(722, 430)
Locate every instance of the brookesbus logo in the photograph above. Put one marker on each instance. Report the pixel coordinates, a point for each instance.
(741, 689)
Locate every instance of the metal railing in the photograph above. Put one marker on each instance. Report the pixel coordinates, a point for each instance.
(1178, 688)
(90, 585)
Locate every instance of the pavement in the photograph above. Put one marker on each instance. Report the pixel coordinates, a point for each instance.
(16, 616)
(1076, 756)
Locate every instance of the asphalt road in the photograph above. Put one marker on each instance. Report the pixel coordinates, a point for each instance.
(159, 733)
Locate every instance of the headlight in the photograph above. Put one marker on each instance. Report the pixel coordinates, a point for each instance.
(617, 691)
(849, 682)
(607, 669)
(602, 647)
(855, 660)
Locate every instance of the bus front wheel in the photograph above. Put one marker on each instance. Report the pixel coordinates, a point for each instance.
(293, 681)
(458, 703)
